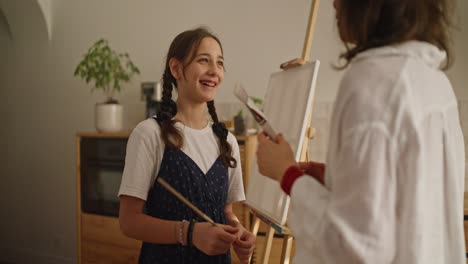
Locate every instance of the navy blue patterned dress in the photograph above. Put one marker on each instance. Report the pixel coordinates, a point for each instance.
(207, 191)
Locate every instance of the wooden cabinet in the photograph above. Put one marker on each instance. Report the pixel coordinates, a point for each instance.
(276, 249)
(99, 237)
(102, 241)
(465, 222)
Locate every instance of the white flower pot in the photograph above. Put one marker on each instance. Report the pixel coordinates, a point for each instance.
(108, 118)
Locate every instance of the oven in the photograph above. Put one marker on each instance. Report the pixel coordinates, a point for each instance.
(102, 163)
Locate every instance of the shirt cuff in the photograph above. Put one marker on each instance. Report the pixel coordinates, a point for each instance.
(289, 177)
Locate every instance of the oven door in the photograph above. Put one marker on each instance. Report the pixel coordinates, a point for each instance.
(100, 183)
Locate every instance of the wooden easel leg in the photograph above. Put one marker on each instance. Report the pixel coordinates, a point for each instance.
(286, 252)
(246, 217)
(269, 242)
(255, 225)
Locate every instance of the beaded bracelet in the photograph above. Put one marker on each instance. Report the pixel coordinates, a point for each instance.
(181, 232)
(190, 232)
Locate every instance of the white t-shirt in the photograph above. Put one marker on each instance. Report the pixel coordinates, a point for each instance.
(394, 180)
(145, 150)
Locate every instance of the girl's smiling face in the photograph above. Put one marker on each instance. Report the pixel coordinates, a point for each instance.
(200, 79)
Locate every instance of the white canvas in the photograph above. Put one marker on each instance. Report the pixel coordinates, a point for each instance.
(288, 101)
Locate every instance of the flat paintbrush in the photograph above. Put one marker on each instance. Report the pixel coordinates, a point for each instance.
(258, 115)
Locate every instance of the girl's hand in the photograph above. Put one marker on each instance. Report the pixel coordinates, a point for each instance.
(274, 158)
(213, 240)
(244, 246)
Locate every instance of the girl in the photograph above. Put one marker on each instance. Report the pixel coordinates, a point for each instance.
(394, 181)
(197, 157)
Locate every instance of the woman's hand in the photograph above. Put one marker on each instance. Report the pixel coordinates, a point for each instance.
(274, 158)
(245, 245)
(314, 169)
(213, 240)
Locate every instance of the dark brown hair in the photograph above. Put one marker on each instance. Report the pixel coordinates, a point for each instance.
(184, 48)
(374, 23)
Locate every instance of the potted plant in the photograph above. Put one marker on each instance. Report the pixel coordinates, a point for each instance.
(239, 125)
(108, 70)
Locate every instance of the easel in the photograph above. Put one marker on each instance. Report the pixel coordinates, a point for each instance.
(257, 216)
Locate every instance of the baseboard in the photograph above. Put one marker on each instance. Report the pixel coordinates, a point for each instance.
(29, 255)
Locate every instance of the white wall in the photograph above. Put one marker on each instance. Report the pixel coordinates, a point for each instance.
(43, 106)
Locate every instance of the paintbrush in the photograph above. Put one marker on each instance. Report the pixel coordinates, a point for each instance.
(185, 201)
(259, 117)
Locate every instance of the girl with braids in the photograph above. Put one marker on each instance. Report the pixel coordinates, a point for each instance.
(198, 157)
(392, 188)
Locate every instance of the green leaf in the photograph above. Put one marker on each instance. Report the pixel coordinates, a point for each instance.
(256, 100)
(105, 67)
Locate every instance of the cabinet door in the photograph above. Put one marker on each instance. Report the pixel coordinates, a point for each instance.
(465, 224)
(97, 252)
(102, 241)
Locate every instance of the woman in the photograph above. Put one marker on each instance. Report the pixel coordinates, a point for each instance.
(392, 189)
(196, 156)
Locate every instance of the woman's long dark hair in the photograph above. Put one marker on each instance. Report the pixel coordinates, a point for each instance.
(184, 48)
(373, 23)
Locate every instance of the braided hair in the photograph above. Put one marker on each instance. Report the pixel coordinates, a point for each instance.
(171, 136)
(183, 48)
(221, 132)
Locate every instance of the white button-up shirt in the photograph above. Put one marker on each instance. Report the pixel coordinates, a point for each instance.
(395, 167)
